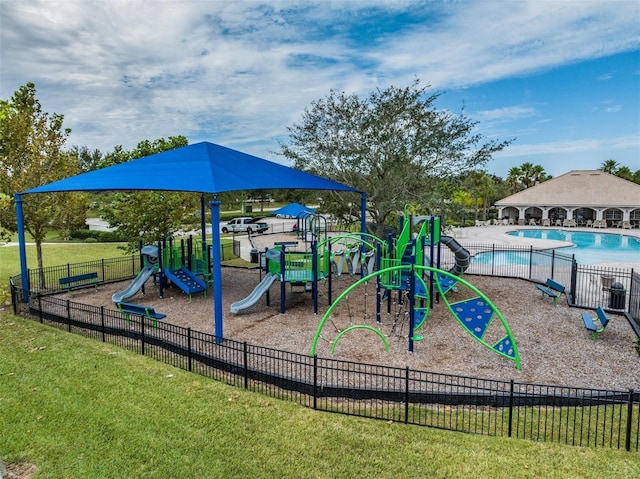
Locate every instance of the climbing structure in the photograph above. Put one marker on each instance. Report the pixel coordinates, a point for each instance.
(176, 262)
(405, 285)
(352, 311)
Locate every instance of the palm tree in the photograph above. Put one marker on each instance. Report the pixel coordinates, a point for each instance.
(609, 166)
(513, 179)
(525, 176)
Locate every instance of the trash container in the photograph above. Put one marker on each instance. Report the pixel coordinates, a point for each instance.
(254, 255)
(618, 296)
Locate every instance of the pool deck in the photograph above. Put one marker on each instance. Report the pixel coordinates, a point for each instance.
(498, 235)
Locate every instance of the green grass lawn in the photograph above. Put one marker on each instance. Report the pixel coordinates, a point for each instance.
(84, 409)
(55, 254)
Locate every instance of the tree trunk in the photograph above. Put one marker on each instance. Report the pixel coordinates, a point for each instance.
(41, 280)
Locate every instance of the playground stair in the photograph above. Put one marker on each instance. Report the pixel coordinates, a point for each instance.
(475, 315)
(187, 281)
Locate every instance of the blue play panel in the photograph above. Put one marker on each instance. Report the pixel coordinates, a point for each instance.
(474, 314)
(446, 283)
(505, 347)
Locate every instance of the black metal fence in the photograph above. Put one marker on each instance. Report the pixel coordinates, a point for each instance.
(576, 416)
(589, 286)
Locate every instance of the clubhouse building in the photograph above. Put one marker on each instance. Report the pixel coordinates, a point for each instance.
(577, 198)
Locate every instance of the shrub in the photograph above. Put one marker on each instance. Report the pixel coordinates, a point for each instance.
(637, 345)
(101, 236)
(90, 240)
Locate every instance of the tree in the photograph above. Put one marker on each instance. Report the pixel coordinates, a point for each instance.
(609, 166)
(614, 168)
(89, 159)
(393, 144)
(149, 216)
(624, 172)
(481, 188)
(31, 155)
(526, 176)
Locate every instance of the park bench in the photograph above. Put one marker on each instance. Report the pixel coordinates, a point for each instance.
(552, 289)
(139, 310)
(80, 281)
(590, 324)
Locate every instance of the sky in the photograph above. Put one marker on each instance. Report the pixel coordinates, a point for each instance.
(561, 78)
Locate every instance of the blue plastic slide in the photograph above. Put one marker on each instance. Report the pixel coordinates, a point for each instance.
(134, 287)
(255, 295)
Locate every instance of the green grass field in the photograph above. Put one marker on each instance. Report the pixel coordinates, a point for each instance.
(80, 408)
(54, 254)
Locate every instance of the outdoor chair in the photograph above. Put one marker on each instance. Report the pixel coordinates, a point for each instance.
(606, 282)
(546, 222)
(558, 222)
(589, 223)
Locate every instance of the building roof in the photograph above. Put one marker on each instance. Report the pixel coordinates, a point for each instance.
(581, 188)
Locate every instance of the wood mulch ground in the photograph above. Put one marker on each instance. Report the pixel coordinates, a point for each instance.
(554, 346)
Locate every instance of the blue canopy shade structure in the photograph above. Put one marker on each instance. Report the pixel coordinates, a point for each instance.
(203, 168)
(293, 210)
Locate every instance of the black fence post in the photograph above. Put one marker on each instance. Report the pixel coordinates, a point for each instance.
(493, 258)
(104, 338)
(245, 361)
(68, 315)
(627, 440)
(406, 395)
(574, 279)
(510, 409)
(142, 335)
(14, 299)
(102, 268)
(531, 262)
(189, 354)
(40, 308)
(315, 381)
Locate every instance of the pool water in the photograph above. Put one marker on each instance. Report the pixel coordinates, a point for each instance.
(589, 248)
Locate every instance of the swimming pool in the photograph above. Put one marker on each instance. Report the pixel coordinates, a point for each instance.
(589, 248)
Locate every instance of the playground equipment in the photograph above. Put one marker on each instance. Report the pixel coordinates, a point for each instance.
(150, 267)
(408, 280)
(474, 312)
(311, 227)
(183, 263)
(307, 268)
(303, 269)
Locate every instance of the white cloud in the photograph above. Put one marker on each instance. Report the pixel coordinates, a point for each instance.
(505, 113)
(237, 73)
(569, 146)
